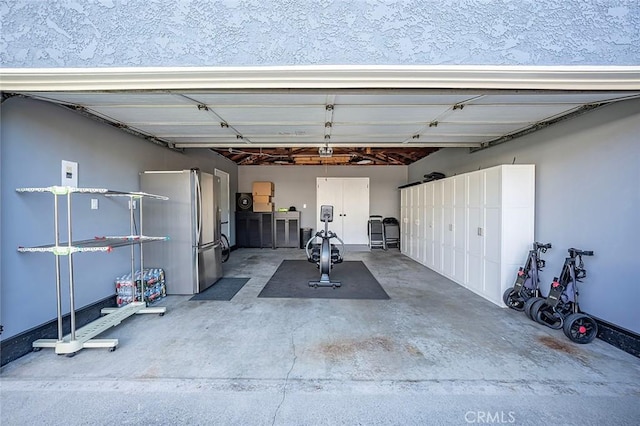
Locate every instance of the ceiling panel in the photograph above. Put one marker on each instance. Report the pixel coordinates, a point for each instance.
(225, 140)
(376, 129)
(487, 129)
(373, 139)
(529, 98)
(314, 139)
(280, 129)
(383, 99)
(186, 130)
(448, 139)
(385, 114)
(158, 114)
(258, 99)
(118, 98)
(504, 113)
(271, 115)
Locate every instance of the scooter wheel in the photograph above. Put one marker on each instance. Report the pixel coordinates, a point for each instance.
(546, 316)
(580, 328)
(513, 300)
(529, 304)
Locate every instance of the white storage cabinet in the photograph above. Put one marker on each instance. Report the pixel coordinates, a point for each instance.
(474, 228)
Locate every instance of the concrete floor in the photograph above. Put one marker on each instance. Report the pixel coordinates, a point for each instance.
(434, 354)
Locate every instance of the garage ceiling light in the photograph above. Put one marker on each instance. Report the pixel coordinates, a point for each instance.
(325, 151)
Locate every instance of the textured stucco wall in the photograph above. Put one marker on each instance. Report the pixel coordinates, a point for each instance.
(107, 33)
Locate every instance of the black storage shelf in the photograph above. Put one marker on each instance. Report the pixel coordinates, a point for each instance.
(254, 229)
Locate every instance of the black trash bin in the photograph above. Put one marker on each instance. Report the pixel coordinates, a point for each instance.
(305, 235)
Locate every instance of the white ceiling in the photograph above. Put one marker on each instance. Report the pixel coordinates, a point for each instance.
(336, 117)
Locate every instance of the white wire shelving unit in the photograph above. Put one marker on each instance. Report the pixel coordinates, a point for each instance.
(83, 337)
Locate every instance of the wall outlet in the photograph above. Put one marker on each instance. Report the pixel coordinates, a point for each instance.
(132, 203)
(94, 204)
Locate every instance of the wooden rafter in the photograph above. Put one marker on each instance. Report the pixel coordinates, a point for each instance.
(340, 156)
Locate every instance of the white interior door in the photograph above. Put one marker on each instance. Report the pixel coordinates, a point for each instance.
(350, 200)
(355, 210)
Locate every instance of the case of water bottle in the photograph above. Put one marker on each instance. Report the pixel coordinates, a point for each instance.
(154, 286)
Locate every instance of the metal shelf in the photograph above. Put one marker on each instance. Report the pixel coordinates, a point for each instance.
(64, 190)
(134, 195)
(97, 244)
(84, 336)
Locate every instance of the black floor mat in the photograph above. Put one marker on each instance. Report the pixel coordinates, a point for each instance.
(292, 277)
(224, 289)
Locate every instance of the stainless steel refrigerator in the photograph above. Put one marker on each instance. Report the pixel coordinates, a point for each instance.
(192, 257)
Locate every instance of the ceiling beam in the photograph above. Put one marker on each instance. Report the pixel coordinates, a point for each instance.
(307, 156)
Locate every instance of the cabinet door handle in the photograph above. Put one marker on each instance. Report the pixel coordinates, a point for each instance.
(479, 232)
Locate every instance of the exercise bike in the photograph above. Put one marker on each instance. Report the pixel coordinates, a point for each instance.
(527, 284)
(325, 254)
(560, 309)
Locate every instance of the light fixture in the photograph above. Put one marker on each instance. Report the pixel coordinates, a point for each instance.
(364, 161)
(325, 151)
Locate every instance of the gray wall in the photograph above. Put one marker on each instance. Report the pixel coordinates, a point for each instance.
(99, 33)
(35, 138)
(296, 186)
(587, 196)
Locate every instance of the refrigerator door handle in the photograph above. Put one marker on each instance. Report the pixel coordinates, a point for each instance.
(199, 212)
(209, 246)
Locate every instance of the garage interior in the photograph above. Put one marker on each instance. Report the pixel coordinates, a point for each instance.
(433, 353)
